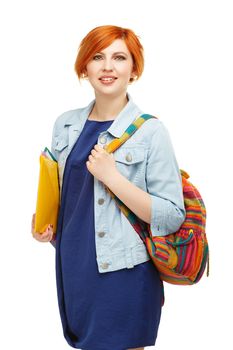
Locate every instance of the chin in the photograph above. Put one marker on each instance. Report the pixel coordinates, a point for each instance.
(110, 90)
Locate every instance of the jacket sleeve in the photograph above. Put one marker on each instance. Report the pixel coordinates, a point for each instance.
(57, 129)
(53, 241)
(164, 184)
(53, 140)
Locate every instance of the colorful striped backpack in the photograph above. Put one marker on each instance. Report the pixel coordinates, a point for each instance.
(180, 257)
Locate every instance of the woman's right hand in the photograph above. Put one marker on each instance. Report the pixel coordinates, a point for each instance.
(46, 236)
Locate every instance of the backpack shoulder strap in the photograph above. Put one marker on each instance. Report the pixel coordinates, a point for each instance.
(137, 123)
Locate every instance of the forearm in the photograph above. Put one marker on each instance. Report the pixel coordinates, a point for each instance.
(137, 200)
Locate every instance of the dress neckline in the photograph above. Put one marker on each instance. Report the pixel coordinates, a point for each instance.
(100, 121)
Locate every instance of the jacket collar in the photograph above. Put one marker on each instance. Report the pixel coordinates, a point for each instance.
(126, 116)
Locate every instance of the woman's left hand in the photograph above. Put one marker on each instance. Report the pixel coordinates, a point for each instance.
(101, 164)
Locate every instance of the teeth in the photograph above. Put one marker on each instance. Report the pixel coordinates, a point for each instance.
(107, 79)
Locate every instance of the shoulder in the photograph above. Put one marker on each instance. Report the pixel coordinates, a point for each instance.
(160, 143)
(155, 135)
(154, 126)
(67, 118)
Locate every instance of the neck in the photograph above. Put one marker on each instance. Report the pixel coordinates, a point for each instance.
(108, 107)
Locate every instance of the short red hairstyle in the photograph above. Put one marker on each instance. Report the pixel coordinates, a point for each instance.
(101, 37)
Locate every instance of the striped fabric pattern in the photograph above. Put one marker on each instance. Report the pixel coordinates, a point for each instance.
(181, 257)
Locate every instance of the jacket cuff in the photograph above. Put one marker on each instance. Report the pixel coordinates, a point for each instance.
(158, 214)
(166, 217)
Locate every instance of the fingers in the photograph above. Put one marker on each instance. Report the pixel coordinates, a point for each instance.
(43, 237)
(93, 152)
(46, 236)
(98, 147)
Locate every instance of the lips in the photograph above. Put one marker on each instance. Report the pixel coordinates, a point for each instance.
(107, 77)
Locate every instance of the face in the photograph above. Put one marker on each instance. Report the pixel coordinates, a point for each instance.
(110, 70)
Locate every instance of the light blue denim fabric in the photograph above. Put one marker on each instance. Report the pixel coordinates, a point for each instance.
(147, 159)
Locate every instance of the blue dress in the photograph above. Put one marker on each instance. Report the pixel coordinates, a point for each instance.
(99, 311)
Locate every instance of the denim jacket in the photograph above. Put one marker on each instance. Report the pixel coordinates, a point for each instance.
(147, 160)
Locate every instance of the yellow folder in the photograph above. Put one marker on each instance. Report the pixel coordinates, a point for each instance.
(47, 205)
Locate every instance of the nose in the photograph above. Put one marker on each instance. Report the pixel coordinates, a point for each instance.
(107, 65)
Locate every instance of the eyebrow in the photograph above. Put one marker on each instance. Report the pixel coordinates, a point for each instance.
(115, 53)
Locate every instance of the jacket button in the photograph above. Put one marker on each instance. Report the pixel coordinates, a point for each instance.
(105, 265)
(100, 201)
(128, 157)
(101, 234)
(103, 139)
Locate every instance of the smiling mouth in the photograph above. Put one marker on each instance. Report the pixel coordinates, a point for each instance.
(107, 79)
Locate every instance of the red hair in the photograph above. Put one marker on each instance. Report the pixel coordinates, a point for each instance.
(101, 37)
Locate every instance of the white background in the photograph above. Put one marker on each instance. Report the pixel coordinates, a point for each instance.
(187, 83)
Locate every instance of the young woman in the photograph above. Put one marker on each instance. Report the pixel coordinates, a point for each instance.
(109, 292)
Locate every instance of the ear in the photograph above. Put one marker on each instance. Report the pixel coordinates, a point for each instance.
(84, 72)
(133, 75)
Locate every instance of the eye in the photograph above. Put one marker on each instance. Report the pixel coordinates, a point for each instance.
(96, 56)
(121, 57)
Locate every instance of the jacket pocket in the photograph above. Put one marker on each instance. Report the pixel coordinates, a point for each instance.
(130, 161)
(61, 148)
(60, 145)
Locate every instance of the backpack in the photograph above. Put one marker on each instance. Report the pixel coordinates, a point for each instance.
(180, 257)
